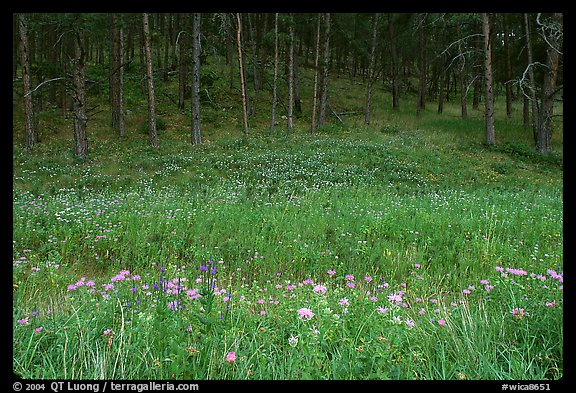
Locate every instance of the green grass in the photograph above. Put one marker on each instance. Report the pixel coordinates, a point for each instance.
(418, 205)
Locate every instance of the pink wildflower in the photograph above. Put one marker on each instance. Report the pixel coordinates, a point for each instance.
(231, 357)
(305, 313)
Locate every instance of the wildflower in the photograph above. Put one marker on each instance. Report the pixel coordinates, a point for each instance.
(203, 268)
(343, 302)
(107, 332)
(231, 357)
(319, 289)
(395, 297)
(23, 320)
(373, 298)
(410, 323)
(518, 313)
(367, 278)
(466, 291)
(382, 310)
(421, 312)
(396, 320)
(38, 329)
(499, 268)
(484, 282)
(441, 322)
(489, 288)
(71, 287)
(550, 304)
(417, 265)
(350, 284)
(314, 329)
(349, 277)
(293, 341)
(519, 272)
(305, 313)
(260, 301)
(331, 271)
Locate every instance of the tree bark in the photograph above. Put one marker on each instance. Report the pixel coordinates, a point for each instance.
(182, 64)
(196, 134)
(395, 66)
(79, 98)
(117, 77)
(29, 129)
(325, 66)
(463, 95)
(275, 82)
(314, 125)
(532, 82)
(371, 71)
(544, 136)
(150, 83)
(242, 75)
(508, 67)
(489, 114)
(291, 76)
(421, 101)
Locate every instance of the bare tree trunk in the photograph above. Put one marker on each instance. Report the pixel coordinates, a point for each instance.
(297, 97)
(182, 64)
(395, 66)
(490, 132)
(441, 90)
(255, 76)
(371, 71)
(544, 136)
(533, 101)
(196, 135)
(29, 129)
(274, 86)
(117, 77)
(316, 71)
(149, 76)
(508, 83)
(325, 64)
(291, 76)
(421, 101)
(242, 77)
(79, 99)
(463, 95)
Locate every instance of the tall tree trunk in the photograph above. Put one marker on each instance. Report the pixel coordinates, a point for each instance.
(196, 135)
(421, 101)
(532, 87)
(29, 129)
(255, 74)
(182, 38)
(314, 125)
(275, 82)
(291, 76)
(395, 66)
(508, 67)
(441, 89)
(371, 71)
(544, 136)
(463, 95)
(242, 75)
(325, 66)
(150, 79)
(490, 132)
(117, 77)
(79, 98)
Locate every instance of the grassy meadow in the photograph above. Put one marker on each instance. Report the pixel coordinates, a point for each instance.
(403, 249)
